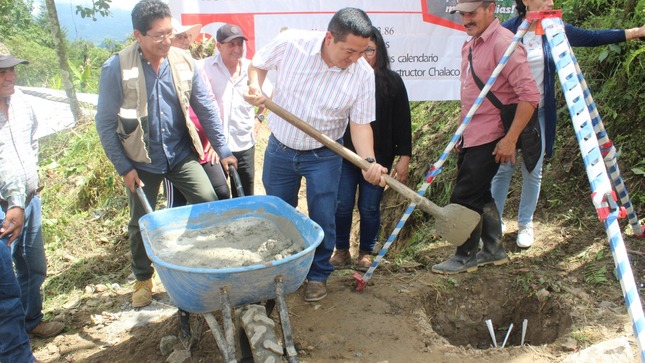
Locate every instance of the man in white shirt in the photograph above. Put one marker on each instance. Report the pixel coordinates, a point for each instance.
(227, 73)
(322, 78)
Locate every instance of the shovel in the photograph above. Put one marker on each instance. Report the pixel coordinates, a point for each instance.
(453, 222)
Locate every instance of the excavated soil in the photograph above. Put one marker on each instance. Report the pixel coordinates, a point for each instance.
(405, 314)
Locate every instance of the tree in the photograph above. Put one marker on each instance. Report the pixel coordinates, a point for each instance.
(630, 6)
(65, 71)
(101, 7)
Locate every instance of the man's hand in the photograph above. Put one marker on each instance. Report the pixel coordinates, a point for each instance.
(210, 154)
(401, 169)
(505, 150)
(230, 160)
(130, 179)
(12, 225)
(254, 96)
(374, 175)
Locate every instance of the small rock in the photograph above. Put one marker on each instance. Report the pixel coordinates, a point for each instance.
(616, 350)
(88, 289)
(100, 287)
(91, 303)
(542, 294)
(60, 317)
(167, 343)
(74, 303)
(570, 345)
(178, 356)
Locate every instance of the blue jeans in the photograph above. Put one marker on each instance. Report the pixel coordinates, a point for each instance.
(283, 171)
(28, 252)
(531, 183)
(14, 342)
(369, 208)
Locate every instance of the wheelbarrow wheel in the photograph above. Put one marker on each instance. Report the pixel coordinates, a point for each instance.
(256, 336)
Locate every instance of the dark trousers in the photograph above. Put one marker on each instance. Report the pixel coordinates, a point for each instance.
(246, 169)
(191, 180)
(476, 168)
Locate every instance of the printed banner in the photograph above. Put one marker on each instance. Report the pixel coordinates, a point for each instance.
(423, 38)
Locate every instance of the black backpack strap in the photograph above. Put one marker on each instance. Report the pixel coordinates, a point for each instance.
(491, 97)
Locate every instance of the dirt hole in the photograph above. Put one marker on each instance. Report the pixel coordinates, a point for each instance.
(459, 306)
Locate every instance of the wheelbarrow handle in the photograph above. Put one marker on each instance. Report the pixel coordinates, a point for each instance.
(236, 180)
(143, 198)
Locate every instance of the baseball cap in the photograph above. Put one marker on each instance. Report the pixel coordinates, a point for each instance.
(8, 61)
(228, 32)
(467, 6)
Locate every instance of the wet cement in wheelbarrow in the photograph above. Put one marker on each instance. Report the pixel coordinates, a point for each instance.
(236, 243)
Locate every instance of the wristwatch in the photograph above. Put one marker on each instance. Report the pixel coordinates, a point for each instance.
(370, 160)
(260, 117)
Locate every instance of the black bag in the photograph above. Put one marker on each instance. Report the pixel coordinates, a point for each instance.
(529, 141)
(507, 112)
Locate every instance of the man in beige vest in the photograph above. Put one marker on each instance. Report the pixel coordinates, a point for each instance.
(142, 119)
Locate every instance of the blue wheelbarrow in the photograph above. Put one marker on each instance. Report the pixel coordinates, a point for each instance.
(208, 290)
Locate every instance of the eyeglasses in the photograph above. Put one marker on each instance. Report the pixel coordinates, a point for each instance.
(369, 52)
(161, 37)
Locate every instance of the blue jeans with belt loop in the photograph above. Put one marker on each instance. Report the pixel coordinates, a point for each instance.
(14, 341)
(282, 174)
(531, 183)
(28, 252)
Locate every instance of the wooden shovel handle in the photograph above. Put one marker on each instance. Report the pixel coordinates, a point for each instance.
(351, 156)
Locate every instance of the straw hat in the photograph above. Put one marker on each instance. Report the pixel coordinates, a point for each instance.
(193, 30)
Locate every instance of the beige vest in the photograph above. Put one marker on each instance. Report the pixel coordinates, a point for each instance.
(132, 126)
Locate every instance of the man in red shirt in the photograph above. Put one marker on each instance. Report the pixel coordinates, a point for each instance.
(484, 144)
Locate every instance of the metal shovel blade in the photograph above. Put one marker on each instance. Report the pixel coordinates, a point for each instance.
(454, 222)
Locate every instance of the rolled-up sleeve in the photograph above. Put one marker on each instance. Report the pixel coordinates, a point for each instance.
(519, 76)
(12, 186)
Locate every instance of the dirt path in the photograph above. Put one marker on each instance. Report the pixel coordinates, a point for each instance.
(405, 314)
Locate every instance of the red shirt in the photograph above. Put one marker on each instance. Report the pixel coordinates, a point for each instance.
(513, 84)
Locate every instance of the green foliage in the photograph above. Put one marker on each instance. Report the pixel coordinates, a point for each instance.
(203, 49)
(84, 211)
(615, 77)
(101, 7)
(43, 62)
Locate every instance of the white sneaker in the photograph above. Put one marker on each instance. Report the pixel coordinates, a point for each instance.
(525, 235)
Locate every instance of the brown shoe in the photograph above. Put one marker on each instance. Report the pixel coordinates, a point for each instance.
(142, 295)
(47, 329)
(341, 258)
(315, 290)
(364, 261)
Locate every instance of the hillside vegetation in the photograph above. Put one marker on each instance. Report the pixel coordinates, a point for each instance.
(85, 209)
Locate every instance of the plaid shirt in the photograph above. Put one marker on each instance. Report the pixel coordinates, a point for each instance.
(19, 150)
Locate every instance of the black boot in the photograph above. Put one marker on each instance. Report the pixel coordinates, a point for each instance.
(465, 259)
(492, 250)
